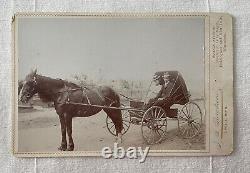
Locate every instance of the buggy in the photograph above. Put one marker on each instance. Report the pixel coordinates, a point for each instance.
(154, 120)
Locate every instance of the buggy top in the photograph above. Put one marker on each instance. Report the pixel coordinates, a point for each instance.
(179, 93)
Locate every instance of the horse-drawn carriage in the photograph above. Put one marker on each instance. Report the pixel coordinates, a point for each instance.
(71, 100)
(154, 120)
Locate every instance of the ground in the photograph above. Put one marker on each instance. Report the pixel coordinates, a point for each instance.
(39, 131)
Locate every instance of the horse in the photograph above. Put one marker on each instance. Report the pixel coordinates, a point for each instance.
(20, 86)
(71, 100)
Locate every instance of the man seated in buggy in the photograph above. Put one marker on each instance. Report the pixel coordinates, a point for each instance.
(173, 91)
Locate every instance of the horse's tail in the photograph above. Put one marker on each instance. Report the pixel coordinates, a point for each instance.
(113, 99)
(110, 96)
(119, 112)
(117, 99)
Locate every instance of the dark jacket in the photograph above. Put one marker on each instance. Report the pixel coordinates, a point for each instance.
(165, 90)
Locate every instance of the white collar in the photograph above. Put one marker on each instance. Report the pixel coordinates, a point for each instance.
(166, 84)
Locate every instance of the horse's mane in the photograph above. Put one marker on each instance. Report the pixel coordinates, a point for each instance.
(46, 94)
(70, 84)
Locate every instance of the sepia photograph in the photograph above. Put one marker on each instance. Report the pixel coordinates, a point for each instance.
(87, 82)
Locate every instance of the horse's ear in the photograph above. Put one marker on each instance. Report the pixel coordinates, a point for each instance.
(33, 72)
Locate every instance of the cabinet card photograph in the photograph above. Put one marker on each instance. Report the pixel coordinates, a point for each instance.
(83, 82)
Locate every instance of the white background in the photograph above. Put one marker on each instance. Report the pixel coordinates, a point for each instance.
(239, 161)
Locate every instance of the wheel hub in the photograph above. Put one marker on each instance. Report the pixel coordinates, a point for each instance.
(190, 121)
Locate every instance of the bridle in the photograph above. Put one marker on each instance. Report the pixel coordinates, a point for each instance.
(34, 84)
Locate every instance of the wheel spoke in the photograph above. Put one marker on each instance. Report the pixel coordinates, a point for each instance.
(191, 111)
(195, 131)
(112, 126)
(184, 130)
(163, 114)
(192, 132)
(183, 118)
(188, 131)
(159, 117)
(186, 110)
(162, 130)
(155, 113)
(151, 113)
(158, 113)
(195, 127)
(158, 133)
(126, 125)
(186, 117)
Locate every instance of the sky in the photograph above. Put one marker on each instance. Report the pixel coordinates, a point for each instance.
(112, 48)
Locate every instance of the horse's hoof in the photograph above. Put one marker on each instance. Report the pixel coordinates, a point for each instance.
(70, 148)
(61, 148)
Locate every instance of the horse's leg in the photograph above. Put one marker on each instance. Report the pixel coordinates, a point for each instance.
(69, 131)
(116, 117)
(63, 146)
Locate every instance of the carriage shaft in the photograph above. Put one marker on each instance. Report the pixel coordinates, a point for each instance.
(105, 107)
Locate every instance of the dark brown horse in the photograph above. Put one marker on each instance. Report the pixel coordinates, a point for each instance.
(67, 96)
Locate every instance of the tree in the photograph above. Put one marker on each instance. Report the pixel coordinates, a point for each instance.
(81, 79)
(125, 84)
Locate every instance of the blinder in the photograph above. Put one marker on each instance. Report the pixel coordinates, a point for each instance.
(27, 94)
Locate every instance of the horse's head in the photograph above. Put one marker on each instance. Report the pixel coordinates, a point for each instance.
(29, 87)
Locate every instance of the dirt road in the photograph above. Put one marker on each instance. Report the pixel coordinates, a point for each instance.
(39, 131)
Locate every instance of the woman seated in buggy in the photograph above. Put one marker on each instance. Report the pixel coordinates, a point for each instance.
(173, 91)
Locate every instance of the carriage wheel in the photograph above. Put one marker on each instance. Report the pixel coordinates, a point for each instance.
(154, 125)
(190, 120)
(126, 119)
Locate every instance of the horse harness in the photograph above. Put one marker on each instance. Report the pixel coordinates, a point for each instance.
(83, 89)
